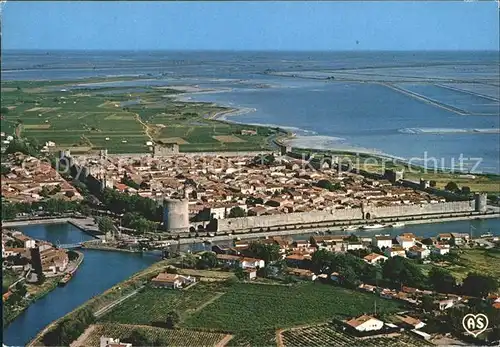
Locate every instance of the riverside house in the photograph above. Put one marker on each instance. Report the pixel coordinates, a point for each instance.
(172, 281)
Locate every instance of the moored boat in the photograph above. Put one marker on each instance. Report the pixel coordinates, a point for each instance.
(373, 226)
(398, 225)
(65, 280)
(351, 228)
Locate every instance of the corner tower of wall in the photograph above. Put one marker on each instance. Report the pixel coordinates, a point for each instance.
(481, 202)
(176, 215)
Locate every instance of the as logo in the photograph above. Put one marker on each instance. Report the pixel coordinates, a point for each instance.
(475, 324)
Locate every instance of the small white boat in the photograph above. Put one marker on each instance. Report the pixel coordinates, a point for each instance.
(351, 228)
(398, 225)
(373, 226)
(487, 235)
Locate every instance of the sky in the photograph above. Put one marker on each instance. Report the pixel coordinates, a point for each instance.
(110, 25)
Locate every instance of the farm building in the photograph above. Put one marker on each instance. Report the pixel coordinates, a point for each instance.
(172, 281)
(250, 273)
(374, 258)
(410, 322)
(110, 342)
(302, 274)
(365, 323)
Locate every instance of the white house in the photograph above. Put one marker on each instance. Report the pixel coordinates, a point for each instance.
(111, 342)
(365, 323)
(418, 252)
(395, 251)
(172, 281)
(445, 304)
(441, 249)
(459, 238)
(382, 241)
(411, 322)
(406, 240)
(352, 246)
(246, 262)
(374, 258)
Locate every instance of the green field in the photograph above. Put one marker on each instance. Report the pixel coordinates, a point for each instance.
(153, 304)
(477, 260)
(252, 312)
(121, 121)
(277, 306)
(160, 337)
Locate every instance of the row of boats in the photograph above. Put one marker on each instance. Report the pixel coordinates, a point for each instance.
(373, 226)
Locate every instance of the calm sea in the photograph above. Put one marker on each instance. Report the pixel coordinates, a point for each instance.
(423, 106)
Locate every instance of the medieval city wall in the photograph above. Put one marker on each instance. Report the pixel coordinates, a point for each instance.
(290, 219)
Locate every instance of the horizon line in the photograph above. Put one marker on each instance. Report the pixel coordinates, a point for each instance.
(243, 50)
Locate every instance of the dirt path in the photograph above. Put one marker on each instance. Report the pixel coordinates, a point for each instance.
(206, 303)
(146, 127)
(224, 341)
(81, 339)
(114, 303)
(279, 338)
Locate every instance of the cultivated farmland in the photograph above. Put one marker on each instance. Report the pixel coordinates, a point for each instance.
(253, 311)
(157, 336)
(153, 304)
(331, 334)
(98, 116)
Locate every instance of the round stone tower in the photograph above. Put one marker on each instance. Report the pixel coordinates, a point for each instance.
(176, 215)
(481, 202)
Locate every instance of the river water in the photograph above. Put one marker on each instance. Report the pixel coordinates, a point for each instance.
(99, 271)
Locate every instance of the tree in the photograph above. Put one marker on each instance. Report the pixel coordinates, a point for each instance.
(240, 274)
(401, 271)
(466, 190)
(236, 212)
(171, 321)
(432, 184)
(265, 251)
(207, 260)
(427, 303)
(105, 225)
(326, 184)
(21, 289)
(451, 186)
(4, 170)
(352, 238)
(476, 284)
(442, 280)
(189, 261)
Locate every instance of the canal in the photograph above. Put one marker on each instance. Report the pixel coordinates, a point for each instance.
(99, 271)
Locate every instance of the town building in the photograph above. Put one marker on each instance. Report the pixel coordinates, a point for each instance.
(418, 252)
(382, 241)
(395, 251)
(365, 323)
(110, 342)
(374, 258)
(171, 281)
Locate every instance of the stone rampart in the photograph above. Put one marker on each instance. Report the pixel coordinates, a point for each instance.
(300, 218)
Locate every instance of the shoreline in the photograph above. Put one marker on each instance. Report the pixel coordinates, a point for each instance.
(76, 222)
(250, 235)
(234, 111)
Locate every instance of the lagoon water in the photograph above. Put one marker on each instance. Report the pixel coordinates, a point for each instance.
(99, 271)
(382, 101)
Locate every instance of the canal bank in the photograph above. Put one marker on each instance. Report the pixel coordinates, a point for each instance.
(99, 272)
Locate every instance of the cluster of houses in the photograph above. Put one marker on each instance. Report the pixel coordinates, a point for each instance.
(31, 179)
(41, 256)
(366, 325)
(216, 185)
